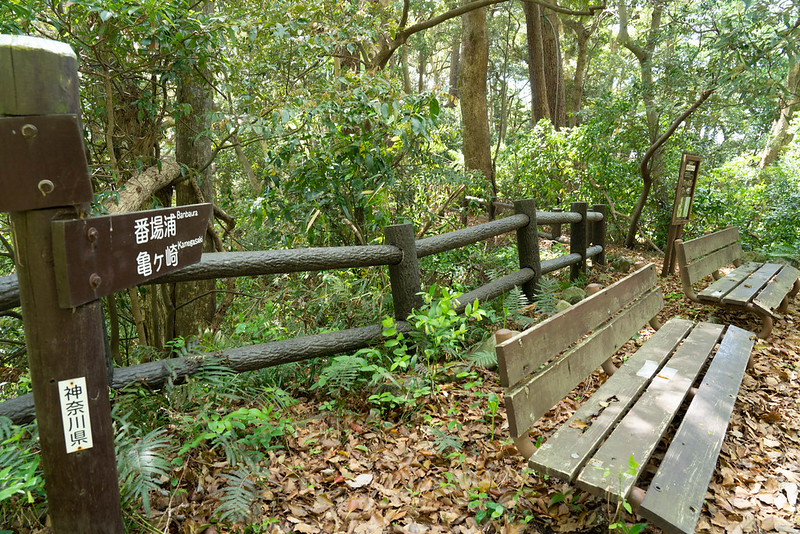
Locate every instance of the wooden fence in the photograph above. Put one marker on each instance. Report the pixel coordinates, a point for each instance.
(400, 255)
(48, 191)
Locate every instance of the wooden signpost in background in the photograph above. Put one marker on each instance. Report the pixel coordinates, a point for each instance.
(65, 262)
(682, 208)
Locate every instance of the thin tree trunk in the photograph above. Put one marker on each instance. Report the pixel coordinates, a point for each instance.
(455, 56)
(472, 88)
(780, 136)
(536, 70)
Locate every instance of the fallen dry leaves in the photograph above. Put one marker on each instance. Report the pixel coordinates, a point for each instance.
(354, 472)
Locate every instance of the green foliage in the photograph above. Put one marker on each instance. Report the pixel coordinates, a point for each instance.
(141, 461)
(239, 495)
(546, 297)
(20, 474)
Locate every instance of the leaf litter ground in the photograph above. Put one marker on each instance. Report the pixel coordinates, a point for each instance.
(443, 469)
(450, 467)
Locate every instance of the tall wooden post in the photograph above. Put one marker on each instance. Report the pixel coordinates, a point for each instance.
(405, 275)
(39, 106)
(577, 240)
(528, 245)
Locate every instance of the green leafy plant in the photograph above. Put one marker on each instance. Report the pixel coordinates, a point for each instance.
(239, 495)
(20, 474)
(617, 523)
(546, 297)
(484, 508)
(141, 461)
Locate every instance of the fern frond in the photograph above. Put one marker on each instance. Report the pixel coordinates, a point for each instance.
(238, 496)
(547, 296)
(141, 463)
(482, 358)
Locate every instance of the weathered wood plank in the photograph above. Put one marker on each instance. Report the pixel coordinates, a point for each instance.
(533, 397)
(707, 244)
(527, 351)
(699, 269)
(772, 295)
(644, 425)
(748, 289)
(674, 499)
(565, 453)
(716, 291)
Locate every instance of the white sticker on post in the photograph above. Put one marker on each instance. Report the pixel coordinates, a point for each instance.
(75, 414)
(648, 369)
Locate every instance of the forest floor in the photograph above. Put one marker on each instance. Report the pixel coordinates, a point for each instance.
(450, 465)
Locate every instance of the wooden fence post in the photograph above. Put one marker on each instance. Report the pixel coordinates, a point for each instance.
(555, 228)
(528, 245)
(577, 240)
(599, 234)
(404, 276)
(39, 90)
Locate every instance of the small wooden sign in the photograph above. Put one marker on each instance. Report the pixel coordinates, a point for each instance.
(42, 163)
(97, 256)
(684, 194)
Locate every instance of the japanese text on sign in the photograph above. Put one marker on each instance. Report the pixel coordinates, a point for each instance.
(75, 414)
(155, 228)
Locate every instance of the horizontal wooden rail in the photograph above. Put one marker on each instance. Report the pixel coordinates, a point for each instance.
(467, 236)
(495, 288)
(241, 359)
(9, 292)
(258, 263)
(556, 264)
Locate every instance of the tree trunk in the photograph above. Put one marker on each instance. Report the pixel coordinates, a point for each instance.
(455, 56)
(780, 136)
(536, 69)
(553, 68)
(194, 301)
(472, 88)
(406, 70)
(582, 35)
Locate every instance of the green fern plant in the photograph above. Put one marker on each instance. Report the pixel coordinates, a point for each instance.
(141, 462)
(239, 495)
(20, 473)
(546, 297)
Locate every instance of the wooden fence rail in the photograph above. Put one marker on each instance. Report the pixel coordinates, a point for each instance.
(258, 263)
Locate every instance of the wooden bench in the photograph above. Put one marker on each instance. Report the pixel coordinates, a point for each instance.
(762, 288)
(631, 412)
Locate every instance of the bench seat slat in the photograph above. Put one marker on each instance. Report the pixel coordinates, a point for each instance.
(674, 499)
(527, 351)
(706, 244)
(772, 296)
(532, 398)
(567, 449)
(699, 269)
(644, 425)
(747, 290)
(716, 291)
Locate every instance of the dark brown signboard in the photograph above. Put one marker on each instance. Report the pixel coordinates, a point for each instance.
(97, 256)
(42, 163)
(684, 194)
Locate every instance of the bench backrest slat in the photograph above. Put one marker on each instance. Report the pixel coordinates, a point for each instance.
(706, 244)
(533, 397)
(704, 255)
(527, 351)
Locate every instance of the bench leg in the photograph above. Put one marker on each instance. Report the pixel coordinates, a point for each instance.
(766, 327)
(784, 305)
(795, 288)
(525, 446)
